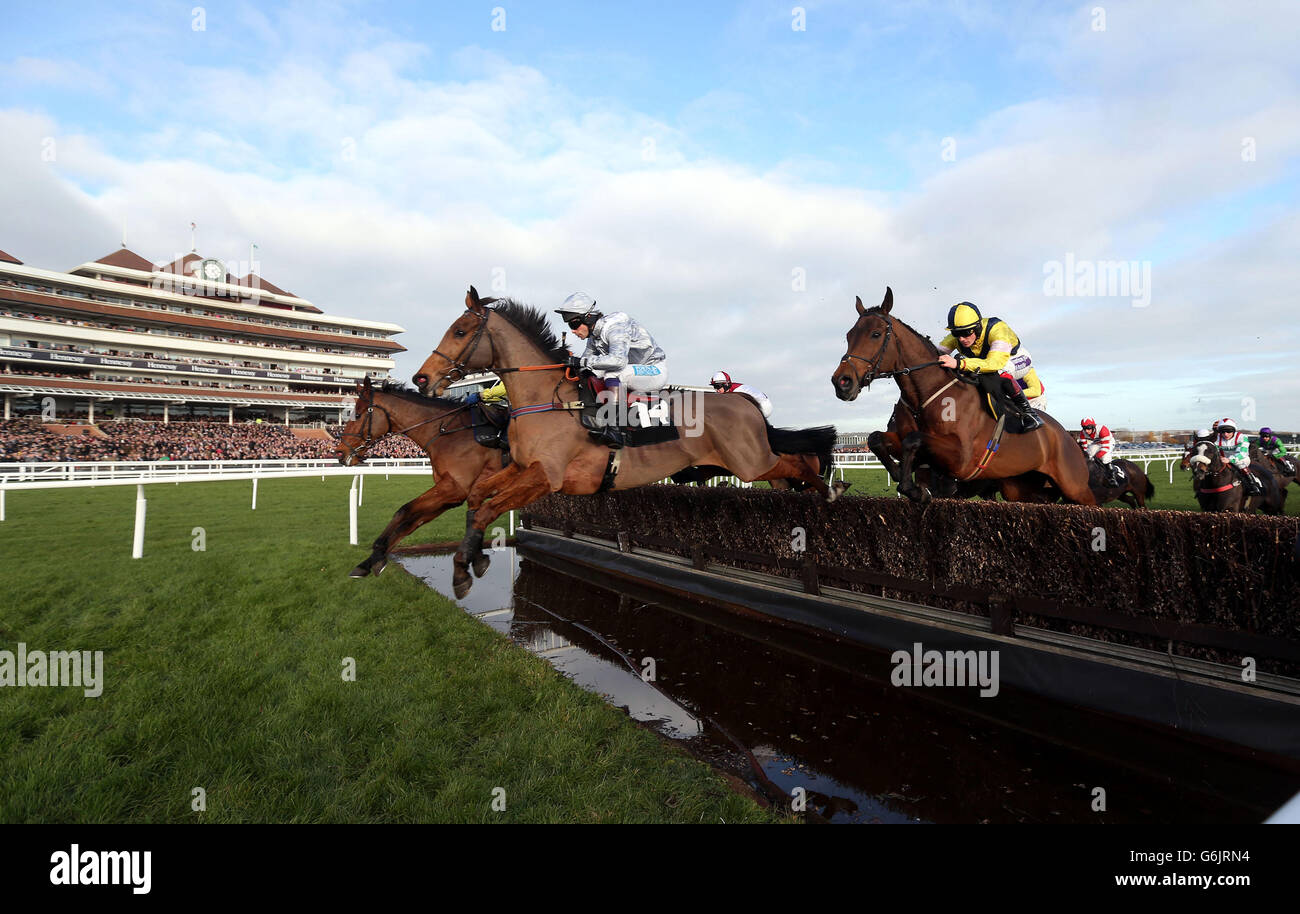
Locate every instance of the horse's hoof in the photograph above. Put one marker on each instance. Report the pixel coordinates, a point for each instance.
(480, 565)
(840, 487)
(378, 567)
(359, 572)
(460, 588)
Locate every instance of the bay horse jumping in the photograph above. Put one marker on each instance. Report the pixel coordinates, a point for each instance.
(952, 424)
(444, 431)
(553, 451)
(1218, 488)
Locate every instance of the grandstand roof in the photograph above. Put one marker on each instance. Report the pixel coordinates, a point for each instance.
(9, 258)
(126, 259)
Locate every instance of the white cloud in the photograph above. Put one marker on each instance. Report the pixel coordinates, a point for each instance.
(505, 169)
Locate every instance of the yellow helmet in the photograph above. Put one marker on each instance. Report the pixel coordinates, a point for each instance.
(963, 316)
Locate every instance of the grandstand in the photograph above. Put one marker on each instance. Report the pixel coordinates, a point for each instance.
(122, 338)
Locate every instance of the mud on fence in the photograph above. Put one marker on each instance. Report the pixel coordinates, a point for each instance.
(1217, 587)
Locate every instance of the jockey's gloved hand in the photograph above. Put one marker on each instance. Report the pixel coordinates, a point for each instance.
(574, 361)
(473, 398)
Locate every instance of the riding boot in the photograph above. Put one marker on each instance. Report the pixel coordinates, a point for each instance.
(1020, 406)
(1253, 485)
(1112, 478)
(609, 435)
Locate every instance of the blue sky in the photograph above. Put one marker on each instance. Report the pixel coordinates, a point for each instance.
(682, 162)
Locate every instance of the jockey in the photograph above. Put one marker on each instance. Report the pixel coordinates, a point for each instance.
(493, 396)
(723, 384)
(1270, 445)
(1234, 449)
(991, 349)
(1098, 443)
(619, 350)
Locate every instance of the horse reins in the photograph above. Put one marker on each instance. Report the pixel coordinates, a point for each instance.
(367, 428)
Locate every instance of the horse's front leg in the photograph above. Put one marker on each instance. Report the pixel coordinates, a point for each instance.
(478, 493)
(907, 485)
(524, 487)
(884, 445)
(409, 517)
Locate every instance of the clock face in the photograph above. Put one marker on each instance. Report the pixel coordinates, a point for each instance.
(212, 270)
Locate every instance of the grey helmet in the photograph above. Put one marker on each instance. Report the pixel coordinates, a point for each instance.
(579, 304)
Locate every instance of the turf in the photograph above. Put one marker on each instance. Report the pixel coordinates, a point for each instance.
(223, 670)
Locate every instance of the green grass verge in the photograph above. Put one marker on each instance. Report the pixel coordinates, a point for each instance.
(223, 671)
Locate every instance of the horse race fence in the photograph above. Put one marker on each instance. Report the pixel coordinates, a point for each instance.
(17, 477)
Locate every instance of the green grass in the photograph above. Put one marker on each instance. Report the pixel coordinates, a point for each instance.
(222, 670)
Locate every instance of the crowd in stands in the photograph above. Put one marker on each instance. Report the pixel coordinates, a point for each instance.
(29, 440)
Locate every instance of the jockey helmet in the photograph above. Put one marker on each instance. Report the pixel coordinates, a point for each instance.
(1225, 426)
(963, 316)
(1202, 433)
(1088, 423)
(577, 305)
(1266, 432)
(720, 379)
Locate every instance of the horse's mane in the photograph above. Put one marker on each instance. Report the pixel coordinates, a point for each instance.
(930, 344)
(534, 324)
(411, 395)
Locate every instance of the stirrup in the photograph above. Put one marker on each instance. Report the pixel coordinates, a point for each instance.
(610, 436)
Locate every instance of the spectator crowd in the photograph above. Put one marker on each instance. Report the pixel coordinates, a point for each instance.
(28, 440)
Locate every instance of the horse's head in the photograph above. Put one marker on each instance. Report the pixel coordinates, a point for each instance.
(461, 349)
(869, 351)
(369, 423)
(1202, 457)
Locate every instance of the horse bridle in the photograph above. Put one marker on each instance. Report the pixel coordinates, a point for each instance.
(871, 373)
(458, 366)
(367, 427)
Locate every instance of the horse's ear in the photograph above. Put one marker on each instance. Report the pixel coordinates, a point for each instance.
(367, 383)
(858, 305)
(472, 301)
(888, 303)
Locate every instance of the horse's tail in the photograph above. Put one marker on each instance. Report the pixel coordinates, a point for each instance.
(1151, 489)
(819, 442)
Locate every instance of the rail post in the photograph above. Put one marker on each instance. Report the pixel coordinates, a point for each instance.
(137, 543)
(352, 511)
(254, 493)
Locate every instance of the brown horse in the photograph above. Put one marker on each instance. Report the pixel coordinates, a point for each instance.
(1284, 472)
(443, 429)
(952, 424)
(1218, 487)
(554, 453)
(1135, 491)
(888, 448)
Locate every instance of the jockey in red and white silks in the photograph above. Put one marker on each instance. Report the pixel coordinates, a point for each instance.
(1098, 443)
(722, 383)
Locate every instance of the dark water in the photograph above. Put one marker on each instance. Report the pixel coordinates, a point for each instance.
(744, 695)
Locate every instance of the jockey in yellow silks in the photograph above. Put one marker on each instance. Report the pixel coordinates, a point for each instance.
(990, 348)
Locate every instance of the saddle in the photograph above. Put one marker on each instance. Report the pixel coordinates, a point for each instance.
(648, 416)
(491, 424)
(994, 400)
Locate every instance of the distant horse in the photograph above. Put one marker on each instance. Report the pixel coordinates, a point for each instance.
(1284, 471)
(952, 424)
(1218, 488)
(444, 430)
(1135, 491)
(553, 452)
